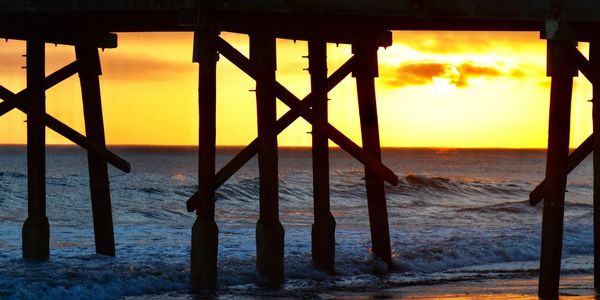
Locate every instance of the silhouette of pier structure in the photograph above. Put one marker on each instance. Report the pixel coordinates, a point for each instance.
(89, 25)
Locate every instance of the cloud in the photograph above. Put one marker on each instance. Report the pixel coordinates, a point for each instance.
(424, 72)
(126, 67)
(452, 42)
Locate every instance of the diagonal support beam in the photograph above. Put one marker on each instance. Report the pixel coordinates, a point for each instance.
(579, 154)
(288, 118)
(337, 137)
(49, 82)
(294, 103)
(585, 67)
(575, 158)
(65, 131)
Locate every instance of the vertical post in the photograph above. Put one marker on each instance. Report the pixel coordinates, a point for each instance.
(365, 72)
(89, 72)
(595, 64)
(205, 233)
(559, 56)
(269, 232)
(323, 230)
(36, 231)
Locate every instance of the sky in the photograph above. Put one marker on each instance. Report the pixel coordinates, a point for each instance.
(435, 89)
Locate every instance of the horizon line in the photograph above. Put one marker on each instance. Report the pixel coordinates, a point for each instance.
(283, 147)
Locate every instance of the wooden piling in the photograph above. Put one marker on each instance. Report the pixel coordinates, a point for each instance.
(595, 65)
(559, 58)
(89, 72)
(205, 233)
(323, 229)
(269, 231)
(365, 73)
(36, 230)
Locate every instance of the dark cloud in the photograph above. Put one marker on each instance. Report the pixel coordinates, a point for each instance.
(423, 72)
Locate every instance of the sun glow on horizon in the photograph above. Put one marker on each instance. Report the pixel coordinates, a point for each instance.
(435, 89)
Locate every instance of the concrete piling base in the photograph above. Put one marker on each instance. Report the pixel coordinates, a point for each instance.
(323, 244)
(269, 253)
(205, 241)
(36, 238)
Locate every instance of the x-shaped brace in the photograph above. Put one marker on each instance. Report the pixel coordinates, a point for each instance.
(12, 100)
(298, 108)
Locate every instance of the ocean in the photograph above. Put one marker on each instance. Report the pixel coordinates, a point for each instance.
(457, 215)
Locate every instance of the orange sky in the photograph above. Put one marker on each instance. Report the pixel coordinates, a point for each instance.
(436, 89)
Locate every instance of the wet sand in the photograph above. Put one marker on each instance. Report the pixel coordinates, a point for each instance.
(572, 287)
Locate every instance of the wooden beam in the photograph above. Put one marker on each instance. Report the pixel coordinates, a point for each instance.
(269, 231)
(365, 73)
(36, 231)
(595, 66)
(104, 40)
(337, 137)
(294, 103)
(97, 167)
(205, 233)
(288, 118)
(556, 166)
(591, 73)
(65, 130)
(49, 82)
(323, 228)
(575, 158)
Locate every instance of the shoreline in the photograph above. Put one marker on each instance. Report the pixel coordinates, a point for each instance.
(571, 287)
(578, 287)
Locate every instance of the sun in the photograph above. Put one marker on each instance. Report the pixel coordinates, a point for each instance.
(446, 82)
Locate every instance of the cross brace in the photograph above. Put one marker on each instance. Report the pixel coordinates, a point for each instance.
(13, 100)
(575, 158)
(50, 81)
(585, 67)
(579, 154)
(299, 108)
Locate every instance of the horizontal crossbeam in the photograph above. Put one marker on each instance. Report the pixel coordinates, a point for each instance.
(104, 40)
(288, 118)
(293, 102)
(575, 158)
(50, 81)
(65, 131)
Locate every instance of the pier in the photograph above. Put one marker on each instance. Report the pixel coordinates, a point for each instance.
(366, 26)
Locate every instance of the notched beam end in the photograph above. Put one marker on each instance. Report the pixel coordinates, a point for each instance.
(125, 166)
(385, 39)
(394, 180)
(192, 203)
(537, 195)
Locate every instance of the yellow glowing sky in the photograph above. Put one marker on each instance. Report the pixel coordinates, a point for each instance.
(436, 89)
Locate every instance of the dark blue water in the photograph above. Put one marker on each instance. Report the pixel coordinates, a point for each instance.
(456, 215)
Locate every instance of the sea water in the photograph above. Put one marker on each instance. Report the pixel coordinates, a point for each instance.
(455, 215)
